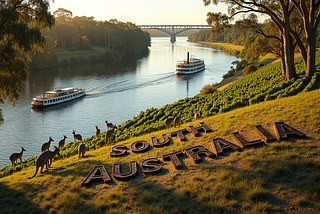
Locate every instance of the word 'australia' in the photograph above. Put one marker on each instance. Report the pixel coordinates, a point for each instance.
(153, 166)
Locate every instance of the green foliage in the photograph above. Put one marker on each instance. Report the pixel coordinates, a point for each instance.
(207, 89)
(85, 43)
(20, 25)
(249, 69)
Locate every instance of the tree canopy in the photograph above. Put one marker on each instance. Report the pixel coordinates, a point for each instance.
(297, 23)
(21, 23)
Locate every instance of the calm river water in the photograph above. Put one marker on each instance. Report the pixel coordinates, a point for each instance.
(117, 91)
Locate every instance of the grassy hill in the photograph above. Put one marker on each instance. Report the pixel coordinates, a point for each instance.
(278, 177)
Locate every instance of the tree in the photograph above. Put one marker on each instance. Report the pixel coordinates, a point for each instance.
(20, 32)
(249, 69)
(279, 12)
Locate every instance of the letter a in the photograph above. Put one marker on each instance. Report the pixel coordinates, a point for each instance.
(98, 173)
(284, 130)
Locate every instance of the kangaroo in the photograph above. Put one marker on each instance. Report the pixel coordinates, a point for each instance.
(109, 125)
(198, 115)
(82, 149)
(46, 145)
(76, 136)
(97, 131)
(168, 121)
(177, 120)
(44, 159)
(109, 134)
(62, 142)
(15, 156)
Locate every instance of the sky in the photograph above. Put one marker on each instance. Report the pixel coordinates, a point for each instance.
(141, 12)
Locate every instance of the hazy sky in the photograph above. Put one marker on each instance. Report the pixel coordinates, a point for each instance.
(141, 12)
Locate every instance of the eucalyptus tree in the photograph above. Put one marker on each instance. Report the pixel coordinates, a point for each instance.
(281, 13)
(21, 22)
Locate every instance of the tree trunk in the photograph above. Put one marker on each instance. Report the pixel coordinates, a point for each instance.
(311, 53)
(289, 56)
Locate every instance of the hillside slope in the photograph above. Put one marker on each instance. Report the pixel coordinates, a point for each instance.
(278, 177)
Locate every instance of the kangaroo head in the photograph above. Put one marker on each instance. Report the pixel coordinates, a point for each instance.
(74, 132)
(50, 139)
(56, 150)
(22, 148)
(64, 136)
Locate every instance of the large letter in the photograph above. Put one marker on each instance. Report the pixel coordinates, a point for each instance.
(179, 133)
(195, 151)
(98, 173)
(164, 143)
(266, 136)
(243, 143)
(151, 166)
(174, 159)
(283, 131)
(203, 127)
(220, 145)
(144, 148)
(117, 171)
(117, 151)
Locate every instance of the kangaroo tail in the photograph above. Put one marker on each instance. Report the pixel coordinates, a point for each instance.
(37, 168)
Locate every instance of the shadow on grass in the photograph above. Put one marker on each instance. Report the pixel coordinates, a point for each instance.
(15, 201)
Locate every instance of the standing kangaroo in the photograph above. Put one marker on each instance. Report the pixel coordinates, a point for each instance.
(97, 131)
(62, 142)
(15, 156)
(168, 121)
(109, 134)
(46, 145)
(198, 115)
(76, 136)
(109, 125)
(177, 120)
(44, 159)
(82, 149)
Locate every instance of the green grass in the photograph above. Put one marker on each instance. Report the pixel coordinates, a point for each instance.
(65, 53)
(254, 180)
(226, 45)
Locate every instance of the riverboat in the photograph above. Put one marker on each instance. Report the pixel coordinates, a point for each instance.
(56, 96)
(190, 66)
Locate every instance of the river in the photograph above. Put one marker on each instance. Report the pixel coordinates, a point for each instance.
(117, 91)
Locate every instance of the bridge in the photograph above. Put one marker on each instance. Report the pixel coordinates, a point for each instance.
(173, 30)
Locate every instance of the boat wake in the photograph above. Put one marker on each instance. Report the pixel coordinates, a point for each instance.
(125, 85)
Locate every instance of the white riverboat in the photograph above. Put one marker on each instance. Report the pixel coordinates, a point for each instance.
(56, 96)
(190, 66)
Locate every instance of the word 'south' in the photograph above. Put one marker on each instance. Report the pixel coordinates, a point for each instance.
(153, 166)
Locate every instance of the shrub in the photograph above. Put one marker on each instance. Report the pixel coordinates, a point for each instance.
(249, 69)
(207, 89)
(73, 49)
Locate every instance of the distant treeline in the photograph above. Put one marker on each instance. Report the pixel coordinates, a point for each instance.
(80, 33)
(232, 35)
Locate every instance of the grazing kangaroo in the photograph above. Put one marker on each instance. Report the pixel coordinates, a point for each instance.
(97, 131)
(109, 134)
(177, 120)
(198, 115)
(76, 136)
(82, 149)
(15, 156)
(109, 125)
(44, 159)
(62, 142)
(46, 145)
(168, 121)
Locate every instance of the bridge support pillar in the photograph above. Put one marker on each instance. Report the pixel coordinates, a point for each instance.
(172, 37)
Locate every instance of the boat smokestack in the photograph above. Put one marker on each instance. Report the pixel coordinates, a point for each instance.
(188, 58)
